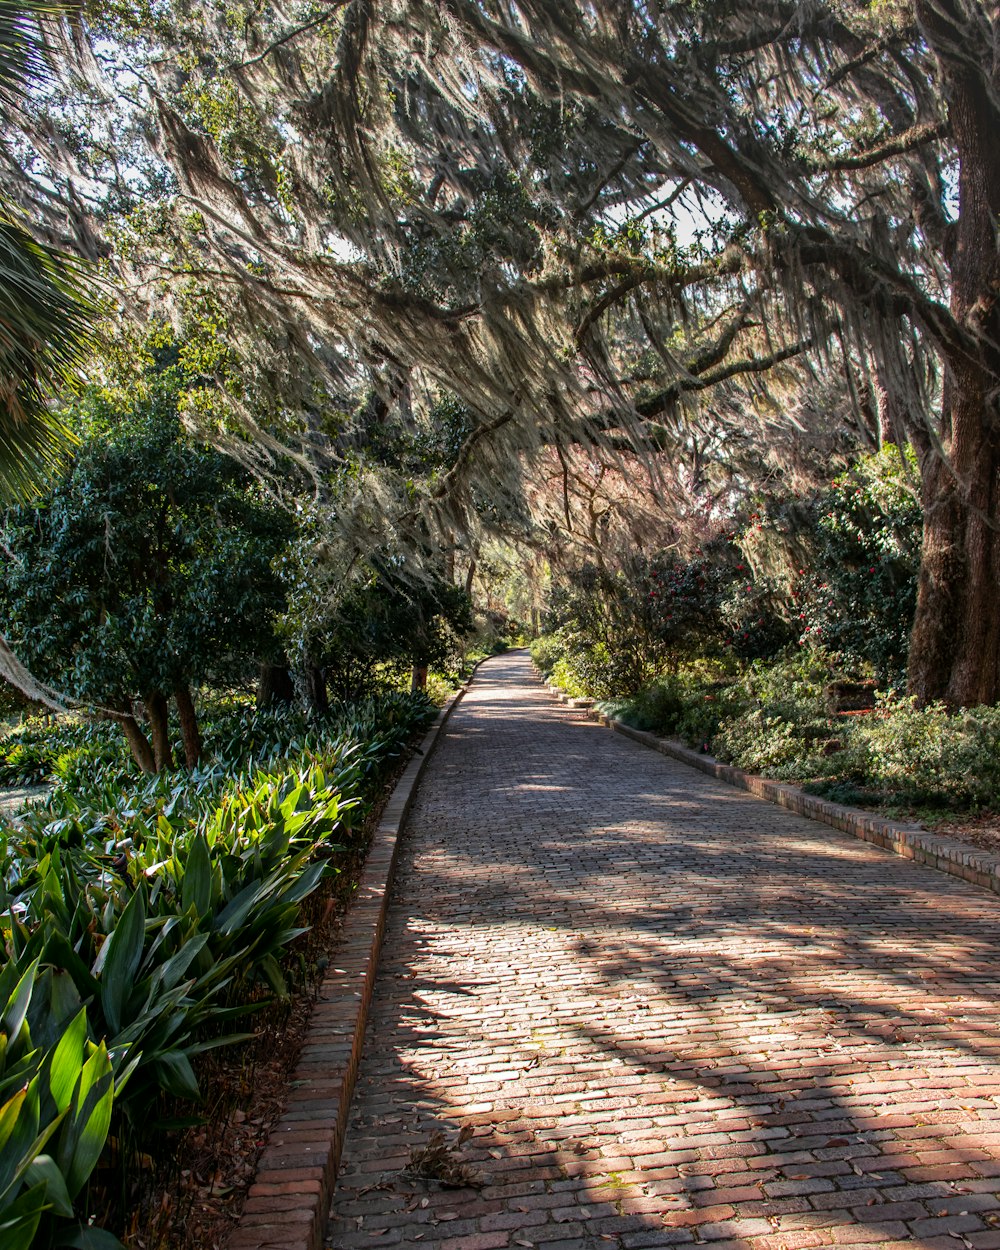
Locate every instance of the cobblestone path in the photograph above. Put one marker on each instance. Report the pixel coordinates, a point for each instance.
(658, 1011)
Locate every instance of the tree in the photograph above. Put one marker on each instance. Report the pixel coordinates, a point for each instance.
(582, 218)
(147, 570)
(45, 317)
(45, 311)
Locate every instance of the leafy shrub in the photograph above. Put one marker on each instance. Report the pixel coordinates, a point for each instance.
(42, 747)
(931, 755)
(565, 675)
(156, 910)
(546, 650)
(859, 596)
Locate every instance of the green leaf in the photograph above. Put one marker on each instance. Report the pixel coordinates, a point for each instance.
(197, 888)
(17, 1005)
(176, 1076)
(44, 1170)
(19, 1222)
(86, 1128)
(89, 1238)
(119, 959)
(171, 972)
(64, 1063)
(18, 1131)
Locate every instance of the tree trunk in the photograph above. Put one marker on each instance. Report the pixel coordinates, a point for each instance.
(955, 644)
(418, 678)
(138, 744)
(275, 687)
(190, 732)
(316, 691)
(159, 730)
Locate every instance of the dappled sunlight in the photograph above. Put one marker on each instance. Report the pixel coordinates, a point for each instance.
(699, 1019)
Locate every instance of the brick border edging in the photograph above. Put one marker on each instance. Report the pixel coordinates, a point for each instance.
(288, 1203)
(958, 859)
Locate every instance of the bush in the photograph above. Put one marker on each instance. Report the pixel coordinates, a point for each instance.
(546, 650)
(565, 675)
(859, 596)
(144, 919)
(933, 756)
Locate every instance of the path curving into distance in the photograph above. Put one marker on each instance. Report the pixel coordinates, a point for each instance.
(662, 1012)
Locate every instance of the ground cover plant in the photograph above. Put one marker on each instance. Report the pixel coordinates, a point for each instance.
(783, 718)
(145, 921)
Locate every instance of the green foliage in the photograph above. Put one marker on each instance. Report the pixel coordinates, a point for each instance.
(780, 719)
(366, 622)
(148, 566)
(622, 628)
(55, 1117)
(932, 755)
(144, 920)
(546, 649)
(41, 748)
(564, 674)
(859, 595)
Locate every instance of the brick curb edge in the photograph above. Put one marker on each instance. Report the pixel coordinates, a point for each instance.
(288, 1203)
(958, 859)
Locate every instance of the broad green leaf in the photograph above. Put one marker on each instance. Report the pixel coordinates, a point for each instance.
(17, 1005)
(89, 1238)
(197, 888)
(19, 1221)
(176, 1076)
(66, 1060)
(43, 1170)
(18, 1133)
(119, 960)
(171, 972)
(86, 1127)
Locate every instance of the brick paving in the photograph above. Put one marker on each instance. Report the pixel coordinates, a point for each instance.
(658, 1011)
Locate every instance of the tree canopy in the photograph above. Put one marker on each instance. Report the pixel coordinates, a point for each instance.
(146, 570)
(594, 224)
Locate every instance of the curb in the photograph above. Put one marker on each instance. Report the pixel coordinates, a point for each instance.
(958, 859)
(288, 1203)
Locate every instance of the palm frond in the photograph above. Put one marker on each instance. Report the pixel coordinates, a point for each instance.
(45, 306)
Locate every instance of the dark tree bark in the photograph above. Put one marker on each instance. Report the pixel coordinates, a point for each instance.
(138, 744)
(418, 678)
(955, 644)
(275, 687)
(159, 730)
(190, 733)
(316, 692)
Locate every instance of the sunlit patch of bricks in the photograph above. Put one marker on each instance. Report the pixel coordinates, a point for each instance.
(669, 1013)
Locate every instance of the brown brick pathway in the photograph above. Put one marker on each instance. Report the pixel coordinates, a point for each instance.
(668, 1013)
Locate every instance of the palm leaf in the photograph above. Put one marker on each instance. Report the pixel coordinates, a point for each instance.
(45, 308)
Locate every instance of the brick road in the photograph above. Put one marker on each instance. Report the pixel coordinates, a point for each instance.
(662, 1012)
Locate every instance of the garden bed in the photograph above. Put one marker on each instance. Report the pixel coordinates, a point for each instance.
(165, 938)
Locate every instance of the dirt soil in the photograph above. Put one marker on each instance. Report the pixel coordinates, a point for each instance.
(982, 831)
